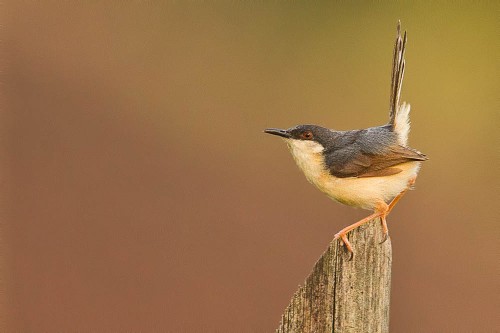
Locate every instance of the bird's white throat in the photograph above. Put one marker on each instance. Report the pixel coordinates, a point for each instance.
(308, 156)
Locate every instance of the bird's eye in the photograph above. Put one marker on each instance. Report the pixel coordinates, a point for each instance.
(307, 135)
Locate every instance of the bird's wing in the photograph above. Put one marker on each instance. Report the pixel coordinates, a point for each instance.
(398, 70)
(363, 164)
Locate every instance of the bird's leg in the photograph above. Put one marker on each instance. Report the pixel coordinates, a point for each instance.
(385, 229)
(393, 203)
(380, 211)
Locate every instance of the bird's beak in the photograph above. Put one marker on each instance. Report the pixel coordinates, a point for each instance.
(278, 132)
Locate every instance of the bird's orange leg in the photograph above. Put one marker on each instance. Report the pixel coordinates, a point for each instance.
(396, 199)
(391, 206)
(380, 211)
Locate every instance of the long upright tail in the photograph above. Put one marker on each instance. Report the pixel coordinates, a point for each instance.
(399, 115)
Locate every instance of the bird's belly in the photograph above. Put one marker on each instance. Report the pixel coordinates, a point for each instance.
(368, 191)
(364, 192)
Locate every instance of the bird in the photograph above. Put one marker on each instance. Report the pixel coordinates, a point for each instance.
(368, 168)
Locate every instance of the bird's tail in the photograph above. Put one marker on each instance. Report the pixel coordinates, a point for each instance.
(402, 123)
(399, 115)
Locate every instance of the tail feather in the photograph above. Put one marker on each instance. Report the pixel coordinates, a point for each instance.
(402, 124)
(398, 70)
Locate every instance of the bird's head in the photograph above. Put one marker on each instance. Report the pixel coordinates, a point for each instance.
(311, 138)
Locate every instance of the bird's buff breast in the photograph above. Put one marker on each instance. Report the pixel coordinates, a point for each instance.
(358, 192)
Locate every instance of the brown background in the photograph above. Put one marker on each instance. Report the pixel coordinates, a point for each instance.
(139, 193)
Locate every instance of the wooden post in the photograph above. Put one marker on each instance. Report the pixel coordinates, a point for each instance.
(343, 296)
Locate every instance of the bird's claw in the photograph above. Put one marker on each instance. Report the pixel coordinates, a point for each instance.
(346, 243)
(385, 229)
(386, 236)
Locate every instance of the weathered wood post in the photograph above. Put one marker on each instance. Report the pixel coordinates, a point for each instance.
(343, 296)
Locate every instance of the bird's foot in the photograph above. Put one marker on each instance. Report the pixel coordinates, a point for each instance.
(385, 229)
(345, 241)
(381, 211)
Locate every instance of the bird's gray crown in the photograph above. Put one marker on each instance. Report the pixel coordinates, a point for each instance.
(315, 133)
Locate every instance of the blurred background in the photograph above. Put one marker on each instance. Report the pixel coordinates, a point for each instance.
(140, 194)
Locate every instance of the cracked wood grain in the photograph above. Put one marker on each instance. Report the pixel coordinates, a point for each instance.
(343, 296)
